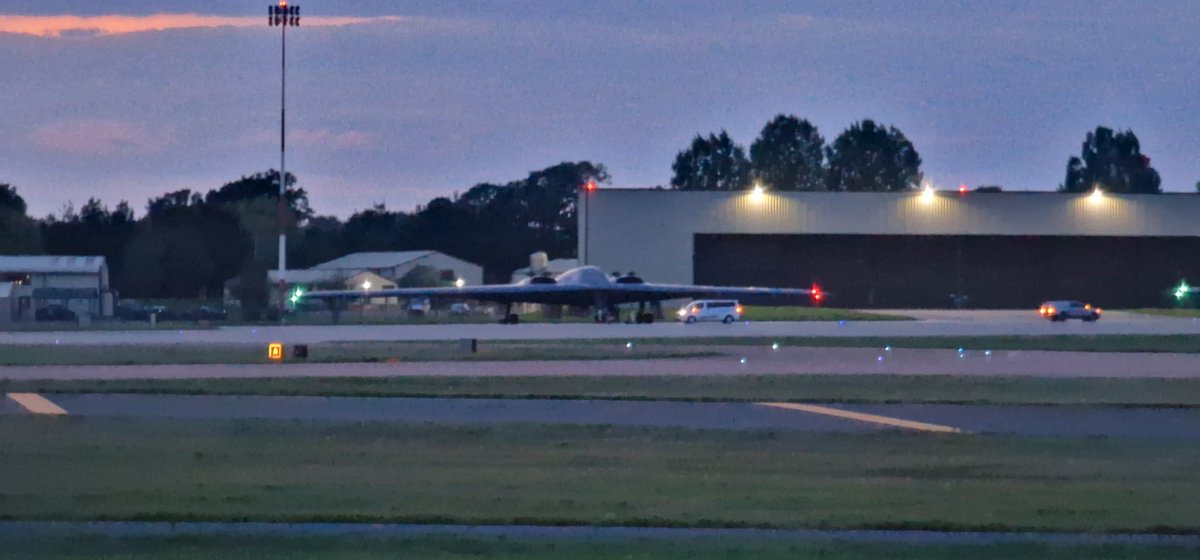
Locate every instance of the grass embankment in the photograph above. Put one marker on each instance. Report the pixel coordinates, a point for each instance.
(596, 349)
(333, 352)
(1178, 312)
(455, 548)
(81, 469)
(1152, 343)
(806, 388)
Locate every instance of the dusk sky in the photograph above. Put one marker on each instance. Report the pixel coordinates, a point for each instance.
(398, 102)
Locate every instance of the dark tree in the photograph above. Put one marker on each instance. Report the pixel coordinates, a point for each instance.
(1112, 162)
(989, 189)
(320, 240)
(508, 222)
(201, 247)
(10, 200)
(789, 154)
(176, 199)
(869, 157)
(261, 185)
(19, 234)
(93, 230)
(711, 164)
(373, 229)
(252, 290)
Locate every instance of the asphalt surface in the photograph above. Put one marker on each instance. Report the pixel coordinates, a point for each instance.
(932, 323)
(744, 360)
(1068, 421)
(65, 529)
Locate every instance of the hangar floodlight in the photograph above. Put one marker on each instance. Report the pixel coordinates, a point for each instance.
(459, 282)
(927, 193)
(366, 285)
(1097, 194)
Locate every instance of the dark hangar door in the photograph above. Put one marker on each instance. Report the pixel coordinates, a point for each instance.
(922, 271)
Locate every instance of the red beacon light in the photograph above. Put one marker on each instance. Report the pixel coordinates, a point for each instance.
(816, 293)
(962, 189)
(590, 185)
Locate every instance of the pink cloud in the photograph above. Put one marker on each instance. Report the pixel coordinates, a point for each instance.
(67, 25)
(346, 140)
(100, 137)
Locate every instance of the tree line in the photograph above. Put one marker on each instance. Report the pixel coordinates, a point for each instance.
(790, 154)
(189, 244)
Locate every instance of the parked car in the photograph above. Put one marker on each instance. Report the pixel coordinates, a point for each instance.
(419, 307)
(1061, 310)
(132, 311)
(723, 310)
(460, 309)
(54, 312)
(208, 313)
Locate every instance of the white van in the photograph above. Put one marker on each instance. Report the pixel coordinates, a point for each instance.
(723, 310)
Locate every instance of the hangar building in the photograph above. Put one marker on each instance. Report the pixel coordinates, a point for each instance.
(79, 283)
(908, 250)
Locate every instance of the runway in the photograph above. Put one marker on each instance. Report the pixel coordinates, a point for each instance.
(1065, 421)
(735, 360)
(931, 323)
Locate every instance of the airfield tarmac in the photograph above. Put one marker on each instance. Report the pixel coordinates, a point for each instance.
(929, 323)
(1068, 421)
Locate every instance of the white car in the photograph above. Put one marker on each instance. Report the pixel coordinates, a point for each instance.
(1066, 309)
(723, 310)
(460, 309)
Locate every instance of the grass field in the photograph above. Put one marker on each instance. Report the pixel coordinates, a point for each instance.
(405, 351)
(808, 388)
(80, 469)
(1181, 312)
(1184, 343)
(333, 352)
(459, 548)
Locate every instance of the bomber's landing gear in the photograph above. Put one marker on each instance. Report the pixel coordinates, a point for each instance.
(509, 318)
(641, 316)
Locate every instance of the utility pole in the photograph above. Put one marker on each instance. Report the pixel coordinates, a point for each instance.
(283, 16)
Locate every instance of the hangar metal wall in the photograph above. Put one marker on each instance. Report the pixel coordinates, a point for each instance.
(992, 271)
(652, 232)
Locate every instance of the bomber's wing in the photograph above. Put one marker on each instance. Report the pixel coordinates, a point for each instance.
(637, 292)
(501, 293)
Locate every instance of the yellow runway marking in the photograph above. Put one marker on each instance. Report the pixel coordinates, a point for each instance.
(37, 404)
(862, 417)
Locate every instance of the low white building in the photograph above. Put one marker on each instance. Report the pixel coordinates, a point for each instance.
(381, 269)
(79, 283)
(394, 265)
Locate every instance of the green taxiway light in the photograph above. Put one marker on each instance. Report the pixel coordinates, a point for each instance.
(1182, 290)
